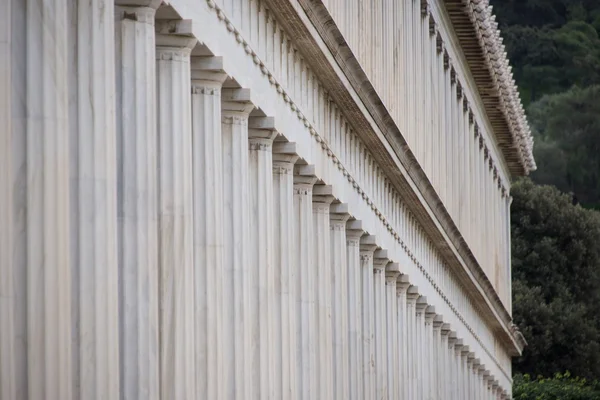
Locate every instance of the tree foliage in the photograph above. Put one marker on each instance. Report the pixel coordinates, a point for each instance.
(556, 276)
(559, 387)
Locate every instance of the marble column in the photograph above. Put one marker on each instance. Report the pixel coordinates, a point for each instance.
(443, 363)
(367, 249)
(451, 367)
(421, 347)
(402, 285)
(306, 315)
(464, 367)
(354, 232)
(411, 328)
(392, 272)
(286, 274)
(380, 263)
(8, 299)
(322, 198)
(137, 199)
(475, 378)
(95, 256)
(458, 381)
(339, 265)
(43, 262)
(261, 134)
(437, 370)
(429, 373)
(235, 109)
(175, 203)
(214, 372)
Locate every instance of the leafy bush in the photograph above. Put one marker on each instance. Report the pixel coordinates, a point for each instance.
(560, 387)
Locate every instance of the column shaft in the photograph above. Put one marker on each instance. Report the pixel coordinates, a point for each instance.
(95, 252)
(323, 279)
(411, 328)
(214, 376)
(236, 316)
(262, 290)
(354, 300)
(286, 276)
(402, 285)
(392, 345)
(380, 342)
(305, 312)
(339, 267)
(177, 374)
(137, 201)
(368, 321)
(45, 254)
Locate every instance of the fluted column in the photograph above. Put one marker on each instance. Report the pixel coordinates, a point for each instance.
(353, 234)
(411, 327)
(8, 299)
(392, 272)
(429, 359)
(437, 359)
(306, 315)
(458, 345)
(137, 199)
(367, 248)
(443, 361)
(262, 297)
(235, 109)
(44, 155)
(286, 274)
(380, 342)
(177, 364)
(451, 367)
(475, 378)
(214, 372)
(95, 255)
(402, 285)
(464, 367)
(322, 199)
(339, 265)
(421, 347)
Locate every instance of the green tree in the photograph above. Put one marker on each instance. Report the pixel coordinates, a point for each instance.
(567, 134)
(556, 276)
(559, 387)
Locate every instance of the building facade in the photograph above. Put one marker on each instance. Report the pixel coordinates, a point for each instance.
(256, 199)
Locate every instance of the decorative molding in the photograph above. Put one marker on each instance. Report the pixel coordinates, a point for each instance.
(234, 120)
(203, 89)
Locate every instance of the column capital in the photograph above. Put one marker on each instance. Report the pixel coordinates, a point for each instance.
(429, 315)
(481, 370)
(402, 284)
(304, 179)
(236, 106)
(438, 322)
(380, 261)
(368, 245)
(338, 215)
(421, 305)
(284, 157)
(354, 231)
(142, 11)
(392, 271)
(174, 39)
(412, 294)
(207, 74)
(465, 351)
(323, 197)
(458, 345)
(261, 133)
(445, 329)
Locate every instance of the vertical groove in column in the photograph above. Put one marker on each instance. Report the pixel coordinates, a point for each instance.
(451, 366)
(443, 362)
(177, 372)
(402, 285)
(339, 265)
(261, 260)
(286, 276)
(234, 126)
(393, 371)
(379, 294)
(323, 280)
(207, 196)
(429, 376)
(97, 344)
(437, 358)
(305, 310)
(8, 289)
(458, 368)
(354, 300)
(411, 327)
(48, 265)
(367, 249)
(137, 201)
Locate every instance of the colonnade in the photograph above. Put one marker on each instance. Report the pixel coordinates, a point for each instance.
(177, 246)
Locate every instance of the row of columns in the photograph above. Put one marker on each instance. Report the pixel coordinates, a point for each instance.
(236, 273)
